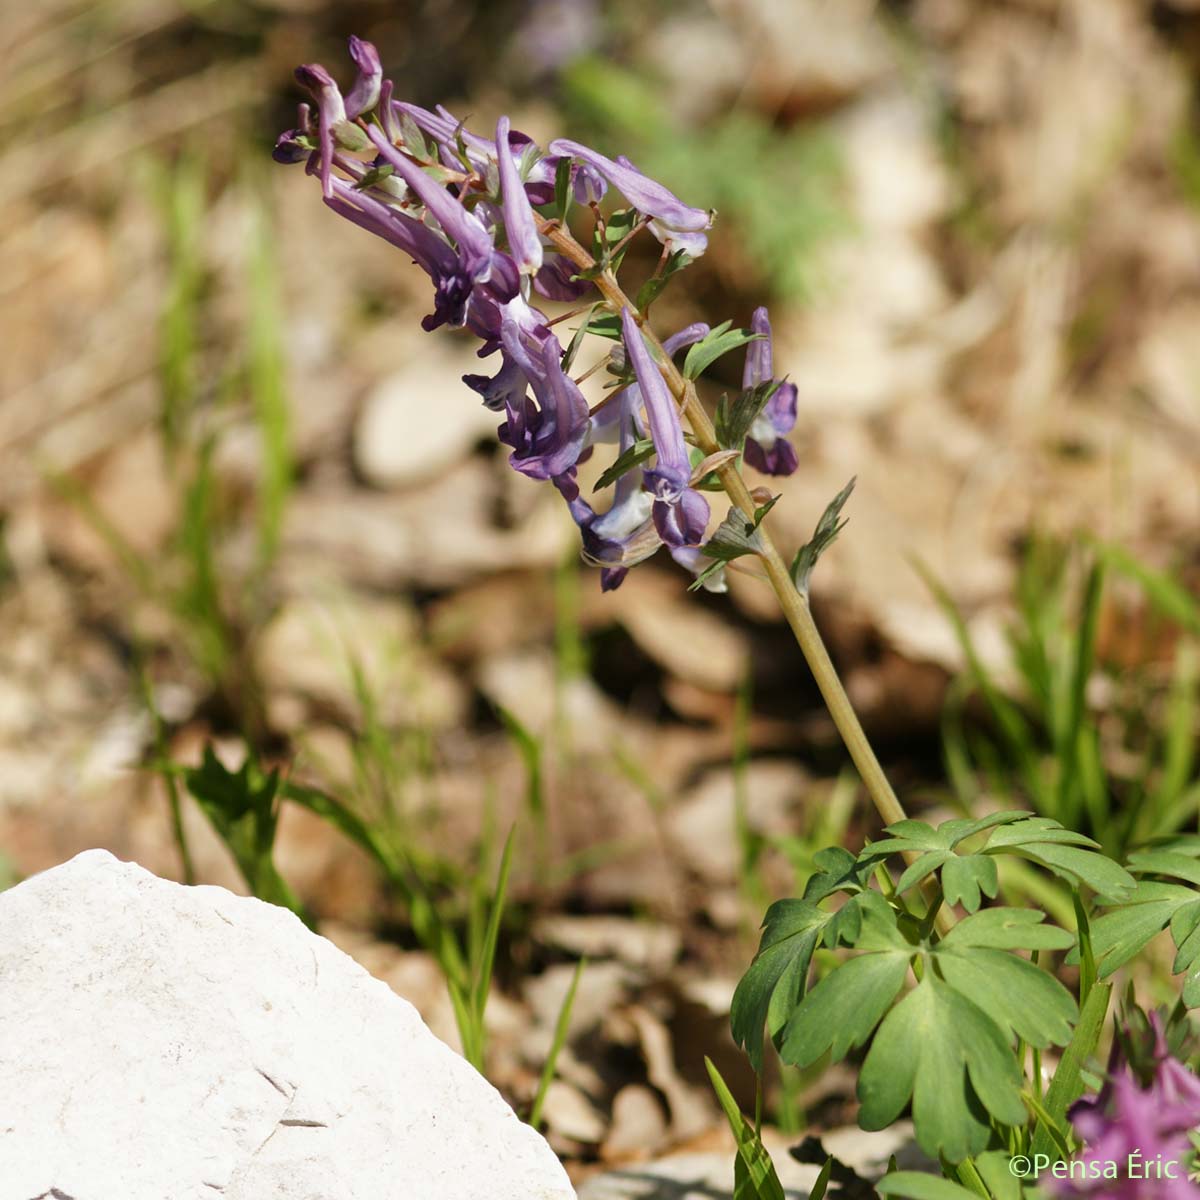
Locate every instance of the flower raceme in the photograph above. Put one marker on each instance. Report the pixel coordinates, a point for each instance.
(474, 215)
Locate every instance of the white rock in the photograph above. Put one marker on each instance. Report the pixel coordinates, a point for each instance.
(423, 418)
(163, 1042)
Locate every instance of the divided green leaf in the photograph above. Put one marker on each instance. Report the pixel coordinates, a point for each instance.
(720, 341)
(637, 454)
(734, 417)
(653, 287)
(944, 1052)
(242, 808)
(734, 538)
(828, 527)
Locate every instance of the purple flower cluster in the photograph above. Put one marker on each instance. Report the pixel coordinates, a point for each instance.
(1140, 1127)
(464, 208)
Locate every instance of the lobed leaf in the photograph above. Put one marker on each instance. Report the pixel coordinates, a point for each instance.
(776, 980)
(1007, 929)
(733, 418)
(843, 1009)
(1024, 1001)
(825, 534)
(718, 342)
(946, 1053)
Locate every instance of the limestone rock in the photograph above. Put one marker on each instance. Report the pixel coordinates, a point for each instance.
(172, 1043)
(422, 418)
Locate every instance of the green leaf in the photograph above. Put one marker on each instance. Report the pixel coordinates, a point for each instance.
(839, 871)
(435, 936)
(1120, 933)
(561, 1027)
(925, 865)
(376, 174)
(719, 341)
(241, 805)
(1021, 999)
(1046, 842)
(1166, 862)
(572, 349)
(994, 1168)
(754, 1172)
(562, 188)
(776, 980)
(653, 287)
(1058, 1135)
(735, 537)
(947, 1054)
(1067, 1086)
(606, 325)
(734, 417)
(917, 1185)
(1087, 958)
(967, 878)
(843, 1009)
(1007, 929)
(414, 139)
(638, 453)
(819, 1188)
(825, 534)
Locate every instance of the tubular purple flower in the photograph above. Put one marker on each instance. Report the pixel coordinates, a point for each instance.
(364, 95)
(387, 112)
(524, 245)
(680, 514)
(332, 110)
(677, 226)
(687, 336)
(293, 145)
(766, 449)
(1128, 1124)
(555, 282)
(474, 243)
(620, 538)
(433, 255)
(546, 440)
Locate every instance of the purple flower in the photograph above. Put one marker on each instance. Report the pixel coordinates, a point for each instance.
(555, 282)
(293, 145)
(1128, 1124)
(625, 535)
(364, 95)
(466, 230)
(766, 449)
(680, 513)
(675, 224)
(523, 242)
(547, 439)
(446, 130)
(331, 110)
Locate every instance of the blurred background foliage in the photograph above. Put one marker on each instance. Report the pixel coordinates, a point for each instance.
(246, 505)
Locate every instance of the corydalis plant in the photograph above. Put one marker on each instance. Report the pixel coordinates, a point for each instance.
(486, 220)
(1136, 1129)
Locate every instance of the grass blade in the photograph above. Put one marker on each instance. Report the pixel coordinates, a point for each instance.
(754, 1172)
(561, 1025)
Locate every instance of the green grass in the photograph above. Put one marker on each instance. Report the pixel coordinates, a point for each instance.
(1123, 773)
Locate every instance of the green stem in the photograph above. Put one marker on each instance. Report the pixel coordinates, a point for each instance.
(791, 600)
(793, 603)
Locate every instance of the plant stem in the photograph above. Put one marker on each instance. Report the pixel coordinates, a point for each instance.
(794, 605)
(791, 600)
